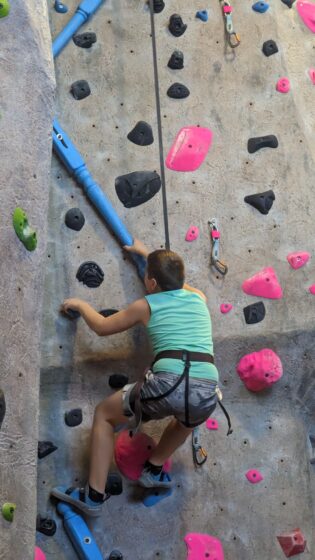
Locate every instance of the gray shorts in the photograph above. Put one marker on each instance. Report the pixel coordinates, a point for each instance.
(202, 398)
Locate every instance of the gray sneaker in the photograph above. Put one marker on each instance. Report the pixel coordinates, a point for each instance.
(149, 480)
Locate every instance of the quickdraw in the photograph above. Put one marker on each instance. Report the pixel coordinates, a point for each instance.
(199, 453)
(233, 37)
(215, 237)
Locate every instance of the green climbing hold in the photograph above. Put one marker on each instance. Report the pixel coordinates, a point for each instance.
(23, 230)
(8, 511)
(4, 8)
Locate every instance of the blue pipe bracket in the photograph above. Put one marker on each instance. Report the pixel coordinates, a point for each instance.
(83, 13)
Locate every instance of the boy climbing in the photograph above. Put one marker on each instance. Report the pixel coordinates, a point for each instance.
(182, 381)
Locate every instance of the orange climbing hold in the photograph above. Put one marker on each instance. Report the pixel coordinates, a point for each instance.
(292, 543)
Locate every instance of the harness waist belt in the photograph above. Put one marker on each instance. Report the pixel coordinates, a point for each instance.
(184, 355)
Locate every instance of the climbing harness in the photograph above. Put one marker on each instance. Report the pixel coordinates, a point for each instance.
(215, 237)
(159, 123)
(233, 37)
(199, 453)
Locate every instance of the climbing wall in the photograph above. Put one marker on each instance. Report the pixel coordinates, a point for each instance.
(233, 93)
(26, 110)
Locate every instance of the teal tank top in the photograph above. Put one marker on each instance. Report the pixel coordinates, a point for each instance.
(180, 320)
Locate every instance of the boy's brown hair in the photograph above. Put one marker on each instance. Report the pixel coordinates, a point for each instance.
(167, 268)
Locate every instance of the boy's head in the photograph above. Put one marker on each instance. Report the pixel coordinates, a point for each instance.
(165, 271)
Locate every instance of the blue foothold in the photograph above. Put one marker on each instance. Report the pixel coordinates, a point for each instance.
(260, 7)
(155, 496)
(60, 7)
(202, 14)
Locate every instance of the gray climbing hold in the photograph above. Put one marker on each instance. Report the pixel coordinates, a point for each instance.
(254, 313)
(158, 6)
(80, 89)
(261, 201)
(90, 274)
(255, 144)
(74, 219)
(85, 40)
(108, 312)
(176, 62)
(73, 417)
(141, 134)
(178, 91)
(118, 380)
(45, 448)
(137, 188)
(270, 47)
(176, 25)
(2, 407)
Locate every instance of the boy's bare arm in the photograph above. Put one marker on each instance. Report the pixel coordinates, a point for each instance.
(137, 312)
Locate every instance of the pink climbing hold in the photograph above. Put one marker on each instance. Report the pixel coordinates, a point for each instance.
(311, 74)
(192, 233)
(263, 284)
(226, 307)
(132, 452)
(39, 555)
(203, 546)
(254, 476)
(306, 12)
(212, 424)
(283, 85)
(312, 289)
(260, 370)
(298, 259)
(189, 149)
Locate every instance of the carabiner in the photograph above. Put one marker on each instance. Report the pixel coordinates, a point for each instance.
(220, 267)
(234, 40)
(199, 453)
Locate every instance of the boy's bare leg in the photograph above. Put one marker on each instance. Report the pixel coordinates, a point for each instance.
(174, 435)
(107, 415)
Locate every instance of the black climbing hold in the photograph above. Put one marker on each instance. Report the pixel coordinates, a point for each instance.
(74, 219)
(115, 555)
(90, 274)
(176, 62)
(108, 312)
(72, 314)
(114, 485)
(178, 91)
(141, 134)
(255, 144)
(118, 380)
(261, 201)
(288, 3)
(136, 188)
(158, 6)
(45, 525)
(73, 417)
(176, 25)
(2, 407)
(85, 40)
(80, 89)
(254, 313)
(45, 448)
(270, 47)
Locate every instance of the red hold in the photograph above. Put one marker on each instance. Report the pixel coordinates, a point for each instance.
(298, 259)
(203, 546)
(260, 370)
(132, 452)
(254, 476)
(226, 307)
(263, 284)
(292, 543)
(212, 424)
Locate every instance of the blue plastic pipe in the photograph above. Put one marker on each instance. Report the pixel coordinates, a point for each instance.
(85, 10)
(79, 534)
(76, 166)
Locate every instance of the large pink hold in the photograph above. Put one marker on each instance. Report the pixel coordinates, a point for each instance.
(306, 11)
(132, 452)
(192, 233)
(260, 370)
(254, 476)
(190, 148)
(263, 284)
(203, 546)
(298, 259)
(39, 555)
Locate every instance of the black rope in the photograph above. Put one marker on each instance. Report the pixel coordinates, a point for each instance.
(159, 122)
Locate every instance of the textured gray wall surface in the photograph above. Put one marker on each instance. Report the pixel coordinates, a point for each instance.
(235, 96)
(26, 107)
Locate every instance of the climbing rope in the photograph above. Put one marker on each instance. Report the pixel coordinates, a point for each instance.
(159, 123)
(233, 37)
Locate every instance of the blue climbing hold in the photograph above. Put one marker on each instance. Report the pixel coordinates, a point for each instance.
(260, 7)
(202, 14)
(60, 7)
(156, 495)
